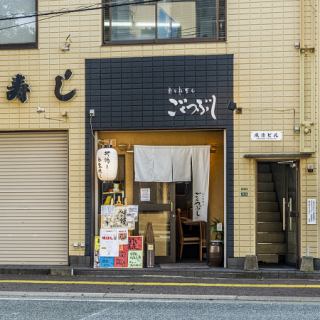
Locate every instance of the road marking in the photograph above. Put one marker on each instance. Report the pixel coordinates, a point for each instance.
(138, 297)
(167, 284)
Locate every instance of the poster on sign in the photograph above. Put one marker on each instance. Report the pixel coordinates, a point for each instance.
(135, 243)
(135, 259)
(107, 210)
(109, 249)
(133, 212)
(122, 260)
(106, 262)
(122, 236)
(119, 216)
(109, 245)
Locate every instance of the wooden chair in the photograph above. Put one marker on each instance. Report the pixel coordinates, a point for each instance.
(199, 239)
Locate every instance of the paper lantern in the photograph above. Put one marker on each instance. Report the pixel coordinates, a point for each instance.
(107, 164)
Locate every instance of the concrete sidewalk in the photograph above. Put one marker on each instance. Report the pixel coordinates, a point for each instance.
(200, 272)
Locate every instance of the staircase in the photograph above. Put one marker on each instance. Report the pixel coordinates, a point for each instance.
(270, 236)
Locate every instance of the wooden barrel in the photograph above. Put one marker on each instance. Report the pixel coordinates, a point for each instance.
(216, 253)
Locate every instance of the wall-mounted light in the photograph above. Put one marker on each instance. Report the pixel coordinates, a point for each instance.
(67, 44)
(232, 106)
(310, 167)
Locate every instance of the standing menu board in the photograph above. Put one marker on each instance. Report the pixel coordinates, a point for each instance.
(115, 248)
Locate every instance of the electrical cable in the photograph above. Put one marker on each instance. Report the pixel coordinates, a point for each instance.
(79, 9)
(18, 15)
(60, 13)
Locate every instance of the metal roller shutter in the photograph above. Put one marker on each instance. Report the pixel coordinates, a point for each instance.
(34, 198)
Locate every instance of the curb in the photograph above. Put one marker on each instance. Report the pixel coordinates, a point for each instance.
(158, 272)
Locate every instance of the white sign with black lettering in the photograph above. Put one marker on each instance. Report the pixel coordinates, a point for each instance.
(311, 211)
(266, 135)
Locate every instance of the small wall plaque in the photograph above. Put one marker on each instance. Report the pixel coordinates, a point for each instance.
(266, 135)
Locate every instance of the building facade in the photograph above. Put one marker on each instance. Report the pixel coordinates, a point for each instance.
(133, 74)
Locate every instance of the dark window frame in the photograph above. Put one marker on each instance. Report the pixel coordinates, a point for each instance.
(28, 45)
(165, 41)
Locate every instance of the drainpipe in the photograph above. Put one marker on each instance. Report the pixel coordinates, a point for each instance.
(307, 132)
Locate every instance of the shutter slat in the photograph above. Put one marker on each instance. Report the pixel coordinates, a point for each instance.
(34, 198)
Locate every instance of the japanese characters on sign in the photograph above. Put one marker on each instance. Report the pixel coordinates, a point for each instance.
(19, 88)
(311, 211)
(57, 90)
(199, 200)
(266, 135)
(183, 104)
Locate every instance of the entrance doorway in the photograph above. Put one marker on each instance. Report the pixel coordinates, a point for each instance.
(278, 213)
(158, 201)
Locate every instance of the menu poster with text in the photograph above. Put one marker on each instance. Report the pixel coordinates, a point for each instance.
(122, 260)
(122, 236)
(133, 212)
(135, 259)
(136, 243)
(109, 245)
(106, 262)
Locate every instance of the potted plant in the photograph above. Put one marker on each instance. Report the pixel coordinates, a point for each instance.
(216, 243)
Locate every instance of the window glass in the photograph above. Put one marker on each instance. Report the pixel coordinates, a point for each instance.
(176, 20)
(17, 31)
(166, 19)
(131, 22)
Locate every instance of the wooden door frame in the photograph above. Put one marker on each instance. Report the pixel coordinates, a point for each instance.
(169, 207)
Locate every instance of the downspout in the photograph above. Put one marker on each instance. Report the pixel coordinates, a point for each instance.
(307, 125)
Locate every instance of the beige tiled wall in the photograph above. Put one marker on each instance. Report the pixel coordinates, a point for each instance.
(261, 35)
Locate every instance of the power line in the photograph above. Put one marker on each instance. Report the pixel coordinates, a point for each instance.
(79, 9)
(30, 22)
(18, 15)
(54, 14)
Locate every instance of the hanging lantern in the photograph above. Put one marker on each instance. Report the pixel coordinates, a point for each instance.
(107, 164)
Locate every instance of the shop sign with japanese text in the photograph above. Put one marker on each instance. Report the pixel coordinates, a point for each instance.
(266, 135)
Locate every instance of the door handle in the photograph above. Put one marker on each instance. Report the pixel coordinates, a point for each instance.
(283, 214)
(290, 213)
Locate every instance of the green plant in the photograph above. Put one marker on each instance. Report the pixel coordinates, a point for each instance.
(218, 235)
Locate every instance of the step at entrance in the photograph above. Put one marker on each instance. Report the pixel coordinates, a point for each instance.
(270, 236)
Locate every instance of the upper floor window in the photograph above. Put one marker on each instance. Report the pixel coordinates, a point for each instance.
(176, 20)
(18, 32)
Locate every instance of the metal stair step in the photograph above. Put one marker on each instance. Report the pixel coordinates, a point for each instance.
(274, 237)
(269, 217)
(271, 248)
(268, 258)
(264, 206)
(269, 226)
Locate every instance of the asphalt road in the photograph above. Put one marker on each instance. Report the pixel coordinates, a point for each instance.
(161, 285)
(18, 308)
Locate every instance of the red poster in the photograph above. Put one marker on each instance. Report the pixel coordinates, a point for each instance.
(122, 260)
(135, 243)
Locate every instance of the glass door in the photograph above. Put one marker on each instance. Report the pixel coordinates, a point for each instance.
(156, 202)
